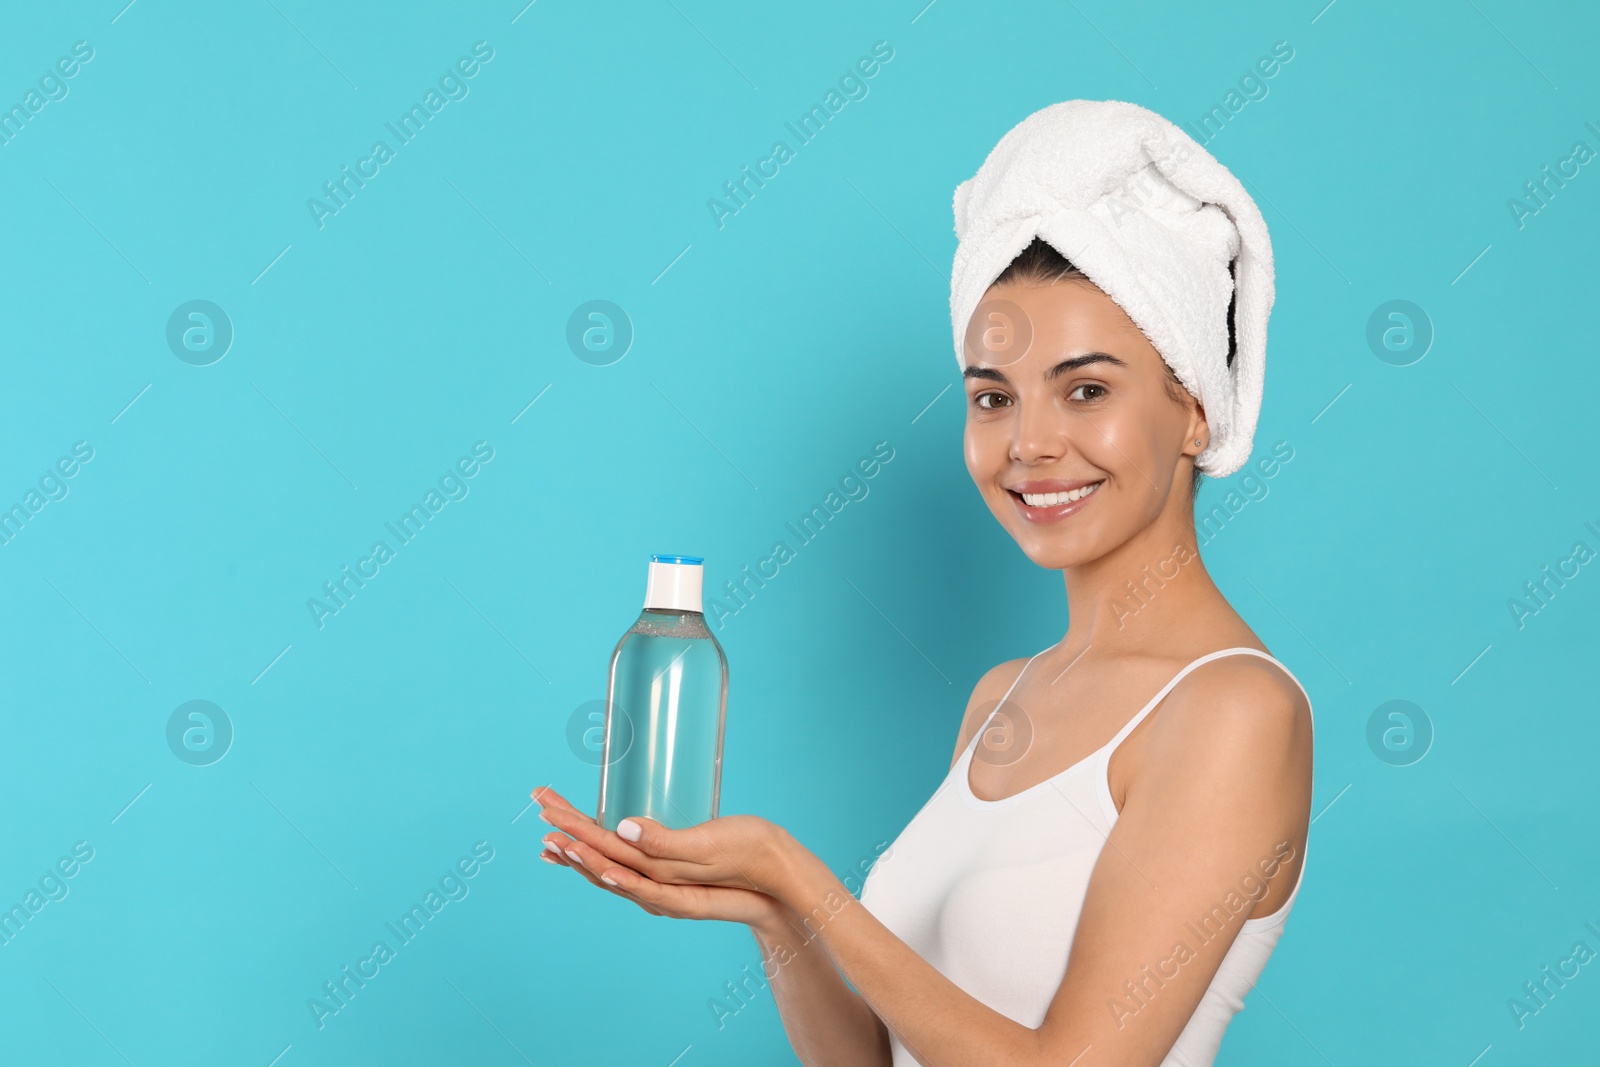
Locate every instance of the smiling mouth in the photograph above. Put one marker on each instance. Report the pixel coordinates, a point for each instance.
(1053, 506)
(1050, 500)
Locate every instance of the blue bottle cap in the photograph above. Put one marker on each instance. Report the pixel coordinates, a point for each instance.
(690, 560)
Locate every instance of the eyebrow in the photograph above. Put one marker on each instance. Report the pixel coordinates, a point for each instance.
(1066, 366)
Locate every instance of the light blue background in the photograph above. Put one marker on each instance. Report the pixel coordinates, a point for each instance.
(769, 355)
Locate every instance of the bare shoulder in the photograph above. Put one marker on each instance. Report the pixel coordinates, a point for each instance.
(985, 695)
(1236, 711)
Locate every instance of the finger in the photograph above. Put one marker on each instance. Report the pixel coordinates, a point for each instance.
(687, 856)
(546, 797)
(728, 904)
(678, 901)
(639, 887)
(607, 842)
(692, 845)
(565, 852)
(588, 860)
(552, 852)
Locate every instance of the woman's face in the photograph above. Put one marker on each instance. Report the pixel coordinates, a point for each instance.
(1067, 398)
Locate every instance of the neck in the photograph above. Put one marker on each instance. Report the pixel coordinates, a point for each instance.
(1139, 597)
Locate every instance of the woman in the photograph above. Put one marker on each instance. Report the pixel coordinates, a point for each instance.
(1093, 883)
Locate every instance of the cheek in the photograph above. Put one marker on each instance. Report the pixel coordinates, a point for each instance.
(986, 448)
(972, 447)
(1120, 441)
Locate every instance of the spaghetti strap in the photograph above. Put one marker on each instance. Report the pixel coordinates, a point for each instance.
(1139, 716)
(984, 725)
(1023, 671)
(1143, 712)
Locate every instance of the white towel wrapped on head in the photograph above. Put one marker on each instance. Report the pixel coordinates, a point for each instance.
(1156, 223)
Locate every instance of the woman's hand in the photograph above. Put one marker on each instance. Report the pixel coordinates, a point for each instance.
(727, 903)
(741, 851)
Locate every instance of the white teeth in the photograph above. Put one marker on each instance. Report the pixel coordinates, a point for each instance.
(1050, 500)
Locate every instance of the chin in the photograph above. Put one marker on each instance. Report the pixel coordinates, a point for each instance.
(1055, 546)
(1057, 557)
(1056, 550)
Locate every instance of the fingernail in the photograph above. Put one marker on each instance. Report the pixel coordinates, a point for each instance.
(628, 830)
(575, 857)
(544, 818)
(606, 880)
(552, 846)
(550, 859)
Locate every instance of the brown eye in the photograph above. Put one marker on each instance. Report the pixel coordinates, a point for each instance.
(1087, 385)
(978, 400)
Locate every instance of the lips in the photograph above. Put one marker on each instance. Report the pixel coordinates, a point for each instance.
(1052, 485)
(1054, 500)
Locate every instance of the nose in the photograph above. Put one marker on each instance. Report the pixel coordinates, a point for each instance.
(1039, 434)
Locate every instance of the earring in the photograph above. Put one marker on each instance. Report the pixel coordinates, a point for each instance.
(1197, 440)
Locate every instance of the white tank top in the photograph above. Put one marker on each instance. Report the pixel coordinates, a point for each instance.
(989, 891)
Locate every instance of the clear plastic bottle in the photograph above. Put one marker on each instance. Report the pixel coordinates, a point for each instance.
(666, 704)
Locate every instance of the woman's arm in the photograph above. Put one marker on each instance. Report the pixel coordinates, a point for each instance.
(1225, 782)
(939, 1023)
(828, 1023)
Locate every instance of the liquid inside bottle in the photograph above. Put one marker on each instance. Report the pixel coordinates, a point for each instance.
(666, 705)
